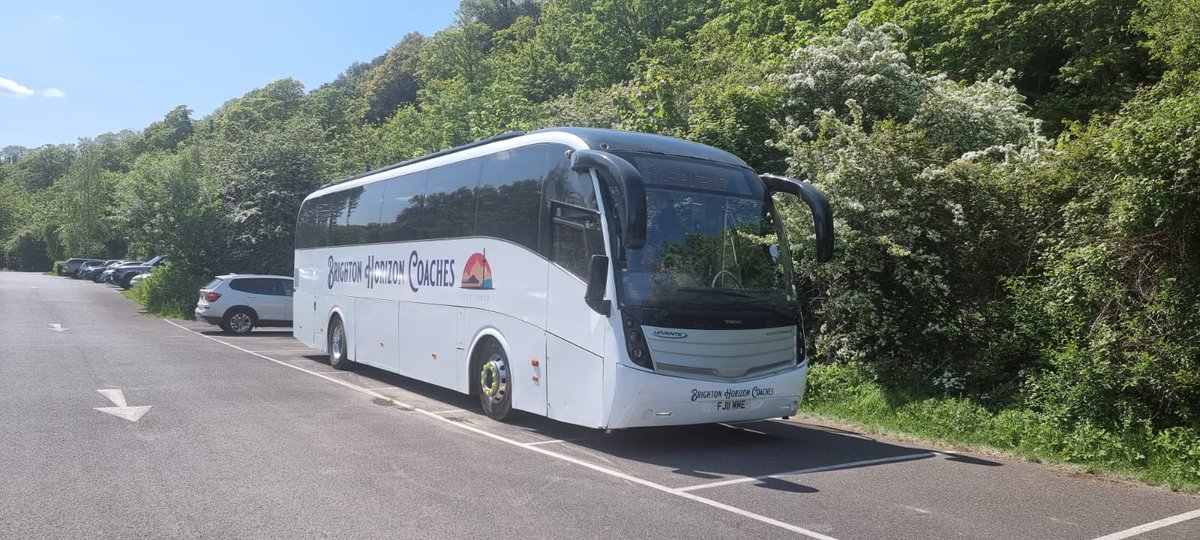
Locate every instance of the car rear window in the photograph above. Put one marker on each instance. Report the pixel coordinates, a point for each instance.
(213, 284)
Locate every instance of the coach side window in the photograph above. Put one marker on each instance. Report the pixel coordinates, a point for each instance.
(401, 215)
(509, 196)
(306, 225)
(364, 204)
(449, 201)
(338, 212)
(314, 219)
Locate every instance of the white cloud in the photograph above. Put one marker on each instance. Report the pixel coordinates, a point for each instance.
(14, 89)
(11, 88)
(57, 17)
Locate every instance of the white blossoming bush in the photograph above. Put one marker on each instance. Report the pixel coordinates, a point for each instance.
(929, 220)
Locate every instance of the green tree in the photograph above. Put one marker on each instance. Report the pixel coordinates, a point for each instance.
(169, 132)
(84, 204)
(394, 81)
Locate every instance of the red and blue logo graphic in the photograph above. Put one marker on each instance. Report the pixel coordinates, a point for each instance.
(478, 273)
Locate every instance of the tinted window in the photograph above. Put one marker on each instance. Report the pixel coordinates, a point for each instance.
(212, 284)
(250, 285)
(449, 203)
(282, 287)
(575, 219)
(576, 236)
(313, 227)
(401, 215)
(364, 204)
(510, 193)
(338, 212)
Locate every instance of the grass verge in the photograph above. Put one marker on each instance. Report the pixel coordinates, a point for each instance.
(848, 394)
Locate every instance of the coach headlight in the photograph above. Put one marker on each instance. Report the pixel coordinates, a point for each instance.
(635, 342)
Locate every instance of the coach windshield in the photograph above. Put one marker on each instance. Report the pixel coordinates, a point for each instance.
(713, 247)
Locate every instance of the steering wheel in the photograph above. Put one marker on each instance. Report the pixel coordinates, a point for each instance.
(718, 276)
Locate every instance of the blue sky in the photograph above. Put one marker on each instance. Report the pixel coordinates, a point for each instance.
(72, 69)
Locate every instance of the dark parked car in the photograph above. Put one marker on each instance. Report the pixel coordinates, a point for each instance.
(106, 276)
(86, 267)
(93, 272)
(70, 266)
(98, 275)
(124, 274)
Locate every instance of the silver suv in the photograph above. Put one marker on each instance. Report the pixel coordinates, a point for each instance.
(239, 303)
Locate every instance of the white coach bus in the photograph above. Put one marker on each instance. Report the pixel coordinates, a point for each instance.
(602, 278)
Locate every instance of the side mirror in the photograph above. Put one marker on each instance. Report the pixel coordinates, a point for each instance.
(629, 184)
(597, 282)
(817, 203)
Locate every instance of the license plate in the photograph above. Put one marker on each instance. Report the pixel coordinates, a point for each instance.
(731, 405)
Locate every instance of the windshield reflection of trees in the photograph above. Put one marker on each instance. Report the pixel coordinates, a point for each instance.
(701, 241)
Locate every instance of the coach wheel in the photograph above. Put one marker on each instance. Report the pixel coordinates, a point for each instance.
(339, 347)
(495, 383)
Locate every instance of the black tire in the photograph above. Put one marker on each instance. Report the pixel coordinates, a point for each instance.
(337, 345)
(491, 376)
(125, 281)
(239, 321)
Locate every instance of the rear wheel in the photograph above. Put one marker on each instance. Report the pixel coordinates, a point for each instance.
(495, 382)
(239, 321)
(339, 346)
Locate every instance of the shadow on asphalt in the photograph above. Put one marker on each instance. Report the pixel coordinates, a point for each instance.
(693, 454)
(674, 455)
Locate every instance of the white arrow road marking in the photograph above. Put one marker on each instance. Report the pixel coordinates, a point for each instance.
(57, 327)
(133, 414)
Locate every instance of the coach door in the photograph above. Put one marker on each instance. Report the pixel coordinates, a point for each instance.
(575, 333)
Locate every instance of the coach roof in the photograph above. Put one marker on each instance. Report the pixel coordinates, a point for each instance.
(612, 140)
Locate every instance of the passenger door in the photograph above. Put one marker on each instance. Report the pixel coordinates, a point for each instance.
(575, 333)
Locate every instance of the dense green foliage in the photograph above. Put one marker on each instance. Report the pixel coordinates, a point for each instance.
(1016, 186)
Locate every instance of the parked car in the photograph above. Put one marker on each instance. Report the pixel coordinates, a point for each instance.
(95, 272)
(107, 274)
(87, 266)
(125, 273)
(239, 303)
(70, 266)
(138, 279)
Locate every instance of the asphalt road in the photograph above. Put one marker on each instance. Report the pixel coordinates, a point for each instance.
(255, 437)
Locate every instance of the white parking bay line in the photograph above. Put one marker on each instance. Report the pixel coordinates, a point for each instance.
(550, 453)
(286, 351)
(834, 467)
(1151, 526)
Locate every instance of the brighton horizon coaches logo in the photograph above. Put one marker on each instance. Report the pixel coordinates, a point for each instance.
(416, 272)
(478, 273)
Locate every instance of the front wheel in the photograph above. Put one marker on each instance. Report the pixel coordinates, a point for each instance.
(339, 347)
(495, 381)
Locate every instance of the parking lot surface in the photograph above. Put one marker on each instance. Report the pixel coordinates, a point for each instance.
(256, 436)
